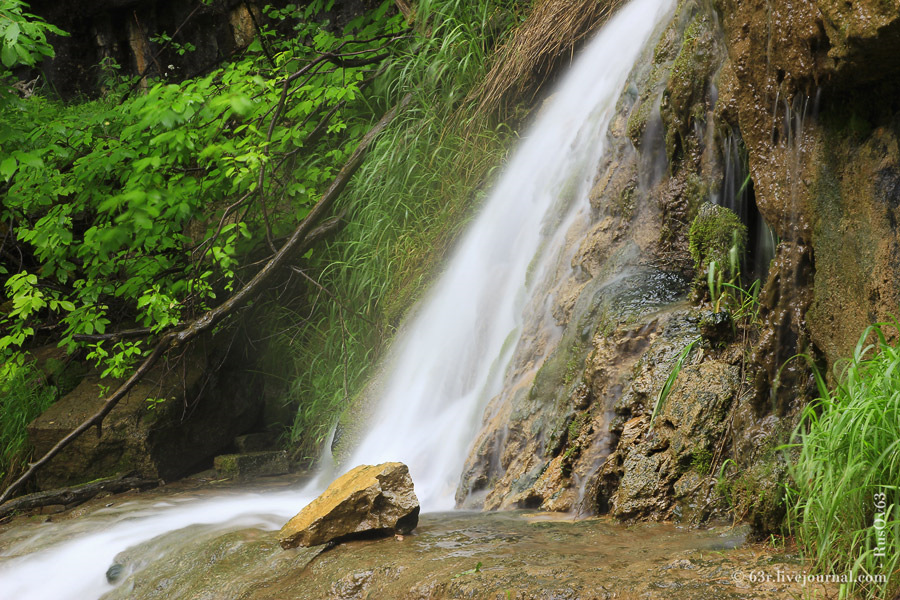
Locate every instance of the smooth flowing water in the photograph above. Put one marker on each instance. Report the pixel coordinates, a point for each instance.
(447, 363)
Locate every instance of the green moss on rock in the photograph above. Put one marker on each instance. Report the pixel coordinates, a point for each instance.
(686, 99)
(713, 233)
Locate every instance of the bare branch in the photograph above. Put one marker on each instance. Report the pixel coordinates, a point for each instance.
(113, 336)
(76, 494)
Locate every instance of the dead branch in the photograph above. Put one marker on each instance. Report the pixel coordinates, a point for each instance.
(113, 336)
(76, 494)
(180, 337)
(406, 9)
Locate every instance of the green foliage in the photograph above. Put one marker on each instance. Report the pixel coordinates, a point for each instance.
(754, 494)
(140, 209)
(743, 302)
(701, 461)
(23, 396)
(670, 380)
(164, 39)
(717, 236)
(845, 499)
(23, 35)
(143, 209)
(405, 207)
(574, 364)
(473, 571)
(717, 240)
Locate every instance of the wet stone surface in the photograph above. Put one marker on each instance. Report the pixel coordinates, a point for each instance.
(477, 555)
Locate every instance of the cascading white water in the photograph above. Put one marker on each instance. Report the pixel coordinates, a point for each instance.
(449, 360)
(445, 366)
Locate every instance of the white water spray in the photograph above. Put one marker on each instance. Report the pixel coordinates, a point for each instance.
(449, 360)
(445, 366)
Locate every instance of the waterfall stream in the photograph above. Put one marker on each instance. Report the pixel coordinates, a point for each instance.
(449, 359)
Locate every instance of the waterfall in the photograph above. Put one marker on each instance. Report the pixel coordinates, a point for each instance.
(446, 364)
(448, 361)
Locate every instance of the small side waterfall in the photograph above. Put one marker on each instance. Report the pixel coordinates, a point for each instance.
(450, 360)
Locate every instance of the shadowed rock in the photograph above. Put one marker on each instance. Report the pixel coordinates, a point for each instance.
(252, 464)
(367, 501)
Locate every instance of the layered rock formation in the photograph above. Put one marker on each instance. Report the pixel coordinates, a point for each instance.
(794, 109)
(813, 88)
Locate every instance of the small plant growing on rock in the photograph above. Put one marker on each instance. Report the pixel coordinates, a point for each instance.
(701, 461)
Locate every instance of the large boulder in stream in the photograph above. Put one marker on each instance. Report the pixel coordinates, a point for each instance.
(366, 501)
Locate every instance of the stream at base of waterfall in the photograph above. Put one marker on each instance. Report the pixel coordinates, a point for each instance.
(519, 555)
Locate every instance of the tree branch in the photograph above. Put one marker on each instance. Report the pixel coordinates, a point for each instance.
(207, 320)
(76, 494)
(114, 336)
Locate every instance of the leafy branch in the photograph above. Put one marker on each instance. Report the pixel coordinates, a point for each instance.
(182, 335)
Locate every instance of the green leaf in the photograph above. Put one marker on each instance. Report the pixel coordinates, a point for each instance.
(29, 159)
(9, 56)
(12, 33)
(8, 167)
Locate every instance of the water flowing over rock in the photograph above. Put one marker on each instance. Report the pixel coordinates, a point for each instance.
(559, 320)
(815, 98)
(495, 297)
(368, 500)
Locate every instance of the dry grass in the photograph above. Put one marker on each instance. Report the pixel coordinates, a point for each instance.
(548, 37)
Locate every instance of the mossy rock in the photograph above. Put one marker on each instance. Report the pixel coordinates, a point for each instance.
(755, 495)
(687, 96)
(714, 232)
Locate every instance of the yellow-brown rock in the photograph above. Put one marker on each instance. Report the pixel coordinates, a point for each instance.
(368, 500)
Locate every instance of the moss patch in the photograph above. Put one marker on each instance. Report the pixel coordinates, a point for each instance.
(756, 494)
(686, 100)
(714, 233)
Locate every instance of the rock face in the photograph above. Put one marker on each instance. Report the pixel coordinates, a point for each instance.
(252, 464)
(545, 437)
(366, 501)
(180, 415)
(813, 88)
(786, 113)
(654, 468)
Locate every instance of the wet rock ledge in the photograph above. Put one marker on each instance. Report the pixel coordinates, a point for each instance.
(513, 555)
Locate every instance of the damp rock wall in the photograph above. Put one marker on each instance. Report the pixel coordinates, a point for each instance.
(795, 105)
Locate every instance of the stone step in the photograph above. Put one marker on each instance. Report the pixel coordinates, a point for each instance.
(252, 464)
(255, 442)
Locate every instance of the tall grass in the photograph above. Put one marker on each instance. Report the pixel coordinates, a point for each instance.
(844, 503)
(404, 208)
(23, 396)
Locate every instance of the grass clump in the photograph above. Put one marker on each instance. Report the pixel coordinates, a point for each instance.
(553, 30)
(670, 380)
(23, 396)
(843, 503)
